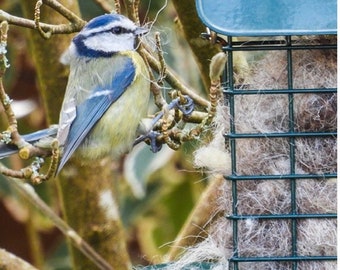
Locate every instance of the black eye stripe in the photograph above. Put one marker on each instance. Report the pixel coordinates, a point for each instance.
(119, 30)
(123, 31)
(83, 50)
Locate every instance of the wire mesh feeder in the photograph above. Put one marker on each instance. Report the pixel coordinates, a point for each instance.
(280, 93)
(282, 146)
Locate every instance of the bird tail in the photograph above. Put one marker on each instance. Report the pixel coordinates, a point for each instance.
(10, 149)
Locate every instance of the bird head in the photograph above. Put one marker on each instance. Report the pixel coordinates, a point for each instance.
(104, 36)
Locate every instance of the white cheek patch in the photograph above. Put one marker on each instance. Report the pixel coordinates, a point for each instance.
(108, 42)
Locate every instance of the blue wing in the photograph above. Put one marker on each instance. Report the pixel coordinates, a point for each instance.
(92, 109)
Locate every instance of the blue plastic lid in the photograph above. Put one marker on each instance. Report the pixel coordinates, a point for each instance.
(269, 17)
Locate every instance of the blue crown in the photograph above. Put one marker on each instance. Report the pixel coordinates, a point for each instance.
(103, 20)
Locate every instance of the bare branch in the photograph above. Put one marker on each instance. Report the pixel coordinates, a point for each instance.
(30, 195)
(11, 261)
(12, 173)
(54, 29)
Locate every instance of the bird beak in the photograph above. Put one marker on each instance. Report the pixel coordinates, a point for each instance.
(141, 31)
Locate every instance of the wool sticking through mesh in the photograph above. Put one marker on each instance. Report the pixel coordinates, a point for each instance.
(263, 113)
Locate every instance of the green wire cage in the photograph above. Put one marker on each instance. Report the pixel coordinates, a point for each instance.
(281, 34)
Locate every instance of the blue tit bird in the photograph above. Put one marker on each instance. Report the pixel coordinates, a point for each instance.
(107, 92)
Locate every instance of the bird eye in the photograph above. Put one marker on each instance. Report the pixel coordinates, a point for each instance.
(117, 30)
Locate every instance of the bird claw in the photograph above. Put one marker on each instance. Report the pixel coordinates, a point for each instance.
(155, 146)
(187, 108)
(152, 137)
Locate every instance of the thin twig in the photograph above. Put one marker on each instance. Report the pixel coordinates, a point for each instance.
(160, 58)
(157, 94)
(12, 173)
(27, 173)
(5, 100)
(52, 167)
(45, 35)
(171, 78)
(30, 195)
(157, 85)
(54, 29)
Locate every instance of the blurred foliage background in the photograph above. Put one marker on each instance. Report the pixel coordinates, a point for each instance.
(156, 191)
